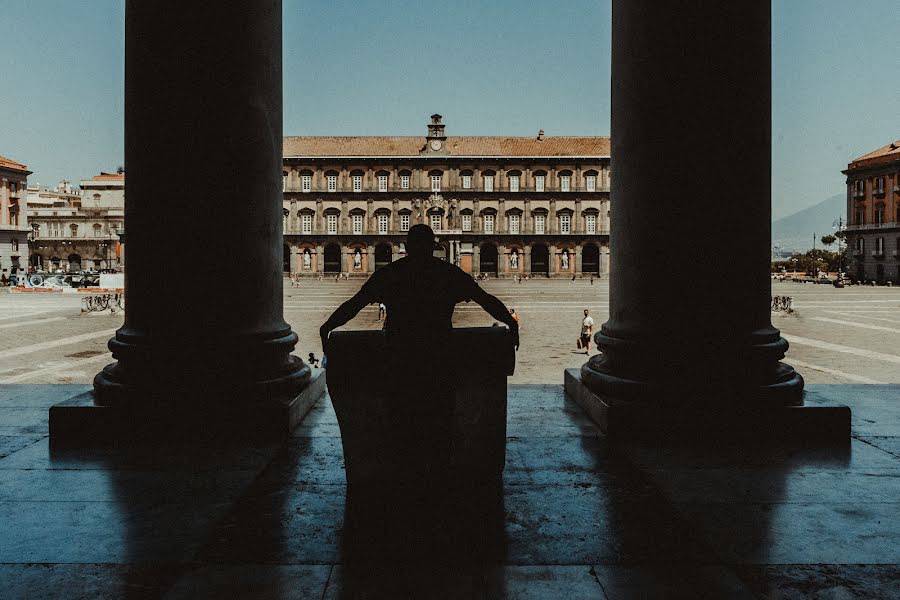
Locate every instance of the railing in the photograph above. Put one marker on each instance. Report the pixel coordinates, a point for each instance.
(298, 231)
(427, 189)
(80, 236)
(865, 226)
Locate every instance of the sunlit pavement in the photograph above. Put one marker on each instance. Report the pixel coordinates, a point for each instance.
(849, 335)
(576, 516)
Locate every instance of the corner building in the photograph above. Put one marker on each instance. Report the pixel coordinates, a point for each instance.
(873, 214)
(500, 206)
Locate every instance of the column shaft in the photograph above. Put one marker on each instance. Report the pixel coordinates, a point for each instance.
(203, 89)
(672, 336)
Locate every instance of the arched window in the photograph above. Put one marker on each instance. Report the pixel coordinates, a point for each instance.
(540, 221)
(74, 229)
(382, 180)
(465, 178)
(306, 181)
(591, 216)
(357, 220)
(331, 220)
(436, 177)
(356, 177)
(383, 219)
(306, 220)
(98, 230)
(590, 181)
(514, 178)
(565, 181)
(405, 174)
(514, 220)
(466, 218)
(487, 178)
(565, 220)
(331, 178)
(405, 215)
(540, 180)
(488, 217)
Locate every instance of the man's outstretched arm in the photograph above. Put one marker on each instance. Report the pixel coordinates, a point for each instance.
(345, 312)
(498, 310)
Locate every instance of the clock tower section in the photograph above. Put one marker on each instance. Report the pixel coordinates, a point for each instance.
(436, 140)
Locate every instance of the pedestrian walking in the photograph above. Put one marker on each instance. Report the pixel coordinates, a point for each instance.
(587, 330)
(382, 311)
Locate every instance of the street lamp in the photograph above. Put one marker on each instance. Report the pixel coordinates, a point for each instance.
(32, 238)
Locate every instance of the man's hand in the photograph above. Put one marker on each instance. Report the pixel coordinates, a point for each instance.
(514, 332)
(323, 335)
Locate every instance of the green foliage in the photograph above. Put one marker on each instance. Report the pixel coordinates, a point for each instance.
(814, 261)
(828, 239)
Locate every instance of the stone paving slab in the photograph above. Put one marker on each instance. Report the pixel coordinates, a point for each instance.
(577, 517)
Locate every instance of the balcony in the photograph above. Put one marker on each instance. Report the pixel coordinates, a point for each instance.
(868, 226)
(81, 236)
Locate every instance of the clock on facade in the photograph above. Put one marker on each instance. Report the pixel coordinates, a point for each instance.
(435, 145)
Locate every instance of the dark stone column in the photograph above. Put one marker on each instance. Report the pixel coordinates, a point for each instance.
(691, 112)
(203, 110)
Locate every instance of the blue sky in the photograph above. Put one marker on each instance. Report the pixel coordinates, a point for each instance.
(501, 67)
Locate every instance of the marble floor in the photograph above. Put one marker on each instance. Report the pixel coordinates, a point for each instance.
(575, 516)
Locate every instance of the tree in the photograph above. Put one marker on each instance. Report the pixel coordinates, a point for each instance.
(828, 239)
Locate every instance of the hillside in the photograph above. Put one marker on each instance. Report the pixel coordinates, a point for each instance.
(795, 232)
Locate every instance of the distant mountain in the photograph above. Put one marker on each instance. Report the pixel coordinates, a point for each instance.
(795, 232)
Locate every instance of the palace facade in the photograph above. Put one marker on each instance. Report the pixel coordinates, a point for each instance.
(500, 206)
(78, 229)
(13, 216)
(873, 214)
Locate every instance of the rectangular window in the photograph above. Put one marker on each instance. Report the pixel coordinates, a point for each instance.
(357, 224)
(590, 222)
(879, 215)
(514, 183)
(435, 183)
(306, 223)
(404, 182)
(878, 184)
(14, 244)
(435, 222)
(539, 183)
(514, 223)
(539, 224)
(879, 245)
(489, 183)
(357, 183)
(860, 217)
(467, 222)
(382, 183)
(565, 183)
(306, 183)
(590, 183)
(489, 223)
(404, 222)
(332, 223)
(565, 224)
(284, 183)
(332, 183)
(382, 224)
(467, 182)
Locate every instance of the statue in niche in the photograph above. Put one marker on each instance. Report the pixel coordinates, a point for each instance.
(307, 259)
(357, 259)
(565, 260)
(514, 260)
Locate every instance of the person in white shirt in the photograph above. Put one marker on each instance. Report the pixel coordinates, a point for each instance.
(587, 330)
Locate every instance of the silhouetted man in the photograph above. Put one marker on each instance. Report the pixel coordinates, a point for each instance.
(420, 293)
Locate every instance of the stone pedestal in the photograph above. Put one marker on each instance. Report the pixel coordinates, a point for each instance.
(195, 97)
(676, 343)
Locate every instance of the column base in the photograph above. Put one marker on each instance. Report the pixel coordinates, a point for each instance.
(81, 422)
(630, 419)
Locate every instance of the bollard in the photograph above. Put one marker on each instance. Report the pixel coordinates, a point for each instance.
(357, 384)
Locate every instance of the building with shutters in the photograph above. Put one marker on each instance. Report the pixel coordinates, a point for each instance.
(500, 206)
(14, 228)
(873, 215)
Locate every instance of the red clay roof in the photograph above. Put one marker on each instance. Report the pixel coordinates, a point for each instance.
(108, 176)
(11, 164)
(892, 149)
(456, 146)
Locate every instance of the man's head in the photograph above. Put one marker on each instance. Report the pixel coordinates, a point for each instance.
(420, 241)
(586, 312)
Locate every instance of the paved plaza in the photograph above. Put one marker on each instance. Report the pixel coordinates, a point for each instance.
(849, 335)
